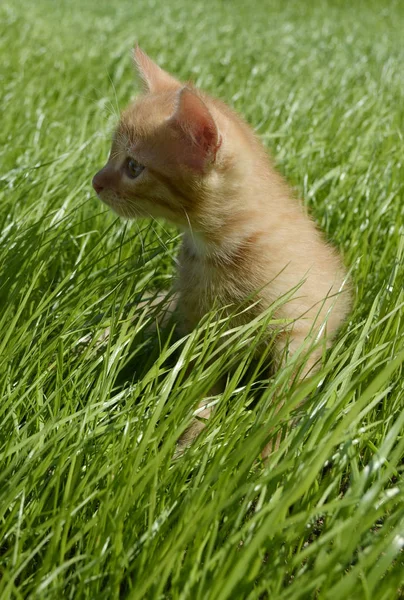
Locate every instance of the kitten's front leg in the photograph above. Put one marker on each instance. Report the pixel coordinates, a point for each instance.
(204, 412)
(286, 345)
(169, 304)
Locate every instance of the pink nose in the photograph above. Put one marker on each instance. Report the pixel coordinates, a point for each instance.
(97, 183)
(107, 178)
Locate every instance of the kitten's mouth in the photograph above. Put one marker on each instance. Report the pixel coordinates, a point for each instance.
(105, 200)
(121, 206)
(108, 198)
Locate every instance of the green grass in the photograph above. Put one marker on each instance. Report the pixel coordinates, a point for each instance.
(92, 505)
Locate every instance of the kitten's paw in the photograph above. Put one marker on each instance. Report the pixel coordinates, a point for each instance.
(188, 437)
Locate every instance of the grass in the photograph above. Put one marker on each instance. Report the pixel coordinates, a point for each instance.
(92, 505)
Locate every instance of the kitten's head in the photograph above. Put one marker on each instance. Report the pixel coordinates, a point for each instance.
(167, 156)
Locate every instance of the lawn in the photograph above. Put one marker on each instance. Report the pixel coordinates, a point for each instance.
(92, 503)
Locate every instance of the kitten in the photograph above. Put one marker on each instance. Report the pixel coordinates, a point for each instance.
(180, 154)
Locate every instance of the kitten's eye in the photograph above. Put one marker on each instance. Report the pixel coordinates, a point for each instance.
(133, 168)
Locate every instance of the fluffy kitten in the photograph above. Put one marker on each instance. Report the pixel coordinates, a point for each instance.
(177, 153)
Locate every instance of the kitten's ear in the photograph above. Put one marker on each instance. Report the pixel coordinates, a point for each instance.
(198, 130)
(153, 77)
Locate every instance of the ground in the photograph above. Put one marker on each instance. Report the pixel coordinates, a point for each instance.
(92, 503)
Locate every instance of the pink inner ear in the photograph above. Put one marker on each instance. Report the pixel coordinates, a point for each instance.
(198, 128)
(206, 138)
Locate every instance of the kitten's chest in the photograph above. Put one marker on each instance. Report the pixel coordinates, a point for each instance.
(204, 284)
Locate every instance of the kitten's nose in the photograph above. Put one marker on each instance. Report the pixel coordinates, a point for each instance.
(107, 178)
(97, 183)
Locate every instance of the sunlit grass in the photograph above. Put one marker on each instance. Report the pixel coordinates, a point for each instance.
(92, 504)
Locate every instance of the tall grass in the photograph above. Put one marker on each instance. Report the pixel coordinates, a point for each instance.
(92, 502)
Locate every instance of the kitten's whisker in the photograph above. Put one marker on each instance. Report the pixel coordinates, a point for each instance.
(157, 235)
(116, 97)
(135, 212)
(109, 109)
(190, 226)
(115, 154)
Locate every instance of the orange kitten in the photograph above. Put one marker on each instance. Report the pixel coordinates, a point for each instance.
(179, 154)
